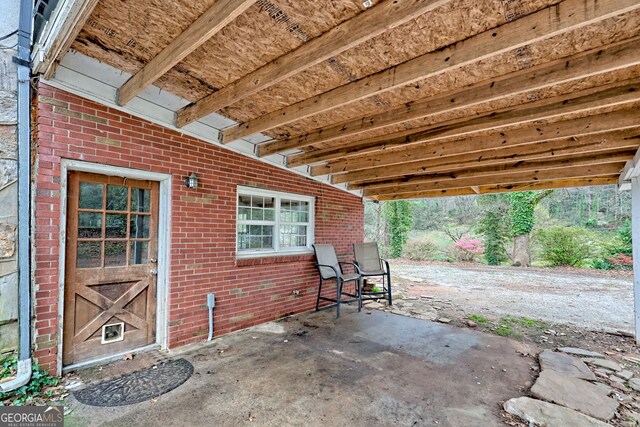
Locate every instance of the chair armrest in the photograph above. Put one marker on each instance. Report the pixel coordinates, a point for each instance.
(353, 264)
(386, 263)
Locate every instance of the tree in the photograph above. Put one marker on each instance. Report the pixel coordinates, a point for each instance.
(521, 209)
(398, 216)
(494, 226)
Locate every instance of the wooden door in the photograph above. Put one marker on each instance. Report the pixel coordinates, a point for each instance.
(111, 256)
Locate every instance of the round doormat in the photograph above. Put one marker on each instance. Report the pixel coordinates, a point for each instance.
(137, 386)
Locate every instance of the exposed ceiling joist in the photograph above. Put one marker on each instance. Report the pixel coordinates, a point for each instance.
(594, 125)
(499, 171)
(362, 27)
(503, 188)
(208, 24)
(578, 104)
(511, 178)
(79, 16)
(590, 144)
(596, 62)
(508, 38)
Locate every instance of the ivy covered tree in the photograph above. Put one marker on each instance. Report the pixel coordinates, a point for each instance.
(399, 219)
(521, 213)
(494, 227)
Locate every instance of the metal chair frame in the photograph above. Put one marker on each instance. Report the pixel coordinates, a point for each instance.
(357, 297)
(385, 293)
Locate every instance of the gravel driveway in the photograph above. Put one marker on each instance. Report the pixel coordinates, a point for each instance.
(591, 301)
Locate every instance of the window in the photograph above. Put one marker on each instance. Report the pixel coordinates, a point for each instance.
(273, 222)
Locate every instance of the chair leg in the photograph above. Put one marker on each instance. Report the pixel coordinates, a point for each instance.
(359, 285)
(389, 287)
(338, 298)
(319, 292)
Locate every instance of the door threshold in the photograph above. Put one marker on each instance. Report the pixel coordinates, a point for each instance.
(107, 359)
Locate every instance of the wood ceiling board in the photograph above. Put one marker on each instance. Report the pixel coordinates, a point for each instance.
(530, 83)
(505, 139)
(514, 37)
(596, 100)
(489, 189)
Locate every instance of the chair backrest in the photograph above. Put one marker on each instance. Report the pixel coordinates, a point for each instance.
(367, 256)
(326, 255)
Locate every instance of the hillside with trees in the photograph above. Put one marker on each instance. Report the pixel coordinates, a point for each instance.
(580, 227)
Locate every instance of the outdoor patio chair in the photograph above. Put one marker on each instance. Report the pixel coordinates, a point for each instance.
(368, 260)
(329, 268)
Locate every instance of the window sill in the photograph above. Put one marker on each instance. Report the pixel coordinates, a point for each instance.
(276, 258)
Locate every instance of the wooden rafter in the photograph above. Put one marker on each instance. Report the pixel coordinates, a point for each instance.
(596, 125)
(60, 47)
(596, 62)
(556, 20)
(503, 188)
(362, 27)
(577, 104)
(509, 178)
(501, 170)
(208, 24)
(590, 144)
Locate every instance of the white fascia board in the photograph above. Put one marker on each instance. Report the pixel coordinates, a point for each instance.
(631, 170)
(99, 82)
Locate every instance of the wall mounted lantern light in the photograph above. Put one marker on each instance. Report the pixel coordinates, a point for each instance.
(191, 181)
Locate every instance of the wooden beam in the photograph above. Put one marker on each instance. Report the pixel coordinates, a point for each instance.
(578, 104)
(362, 27)
(596, 125)
(589, 144)
(508, 38)
(504, 188)
(595, 62)
(511, 178)
(485, 174)
(60, 47)
(206, 26)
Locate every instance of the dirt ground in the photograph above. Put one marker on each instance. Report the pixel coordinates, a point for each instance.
(574, 297)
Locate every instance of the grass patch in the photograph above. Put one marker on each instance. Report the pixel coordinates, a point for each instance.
(480, 320)
(504, 330)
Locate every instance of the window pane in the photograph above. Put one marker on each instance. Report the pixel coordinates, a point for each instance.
(140, 200)
(116, 226)
(244, 214)
(139, 226)
(293, 236)
(115, 253)
(257, 214)
(269, 214)
(269, 203)
(89, 225)
(88, 254)
(116, 198)
(90, 195)
(244, 201)
(138, 252)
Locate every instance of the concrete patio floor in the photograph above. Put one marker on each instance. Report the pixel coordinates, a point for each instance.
(368, 368)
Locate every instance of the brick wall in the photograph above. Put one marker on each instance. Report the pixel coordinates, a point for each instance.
(202, 235)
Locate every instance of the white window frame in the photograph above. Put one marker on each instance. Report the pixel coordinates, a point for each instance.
(278, 196)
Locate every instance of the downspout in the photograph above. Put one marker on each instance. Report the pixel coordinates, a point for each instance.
(24, 215)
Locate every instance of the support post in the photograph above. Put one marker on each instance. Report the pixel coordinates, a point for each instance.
(635, 238)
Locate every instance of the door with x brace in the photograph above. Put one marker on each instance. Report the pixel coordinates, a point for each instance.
(111, 256)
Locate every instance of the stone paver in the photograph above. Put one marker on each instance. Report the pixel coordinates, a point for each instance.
(604, 363)
(574, 393)
(580, 352)
(548, 414)
(565, 364)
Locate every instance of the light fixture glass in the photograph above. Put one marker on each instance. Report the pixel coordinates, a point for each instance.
(191, 181)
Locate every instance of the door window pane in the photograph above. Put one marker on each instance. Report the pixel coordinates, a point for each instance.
(140, 200)
(89, 225)
(139, 227)
(116, 198)
(116, 226)
(115, 253)
(90, 195)
(138, 252)
(89, 255)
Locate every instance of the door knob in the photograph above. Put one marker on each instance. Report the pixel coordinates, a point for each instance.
(153, 271)
(153, 260)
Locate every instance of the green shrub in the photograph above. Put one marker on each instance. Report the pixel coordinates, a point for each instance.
(420, 249)
(562, 246)
(37, 390)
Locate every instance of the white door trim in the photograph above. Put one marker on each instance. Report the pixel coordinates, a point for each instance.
(164, 222)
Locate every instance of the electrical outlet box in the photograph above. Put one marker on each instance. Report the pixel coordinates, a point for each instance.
(211, 300)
